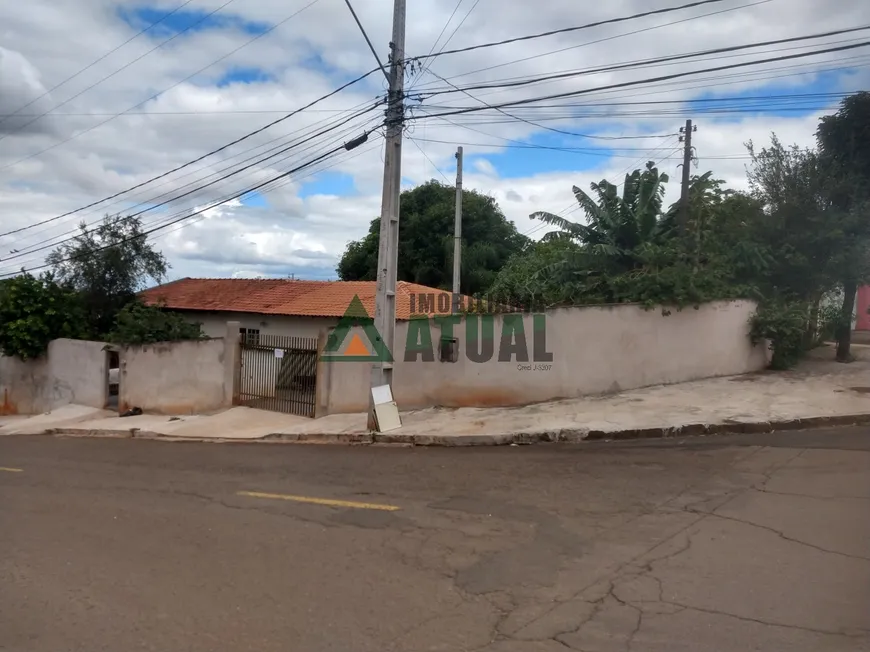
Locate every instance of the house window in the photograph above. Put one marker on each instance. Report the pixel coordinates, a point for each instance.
(449, 350)
(249, 335)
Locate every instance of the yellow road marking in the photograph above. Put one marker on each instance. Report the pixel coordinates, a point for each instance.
(11, 470)
(320, 501)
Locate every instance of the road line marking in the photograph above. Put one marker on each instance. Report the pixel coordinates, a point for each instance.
(320, 501)
(11, 470)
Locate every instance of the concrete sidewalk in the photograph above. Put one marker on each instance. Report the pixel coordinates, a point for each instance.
(819, 392)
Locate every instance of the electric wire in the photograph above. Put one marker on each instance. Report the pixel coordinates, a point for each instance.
(200, 158)
(256, 37)
(193, 213)
(520, 102)
(175, 194)
(153, 206)
(95, 62)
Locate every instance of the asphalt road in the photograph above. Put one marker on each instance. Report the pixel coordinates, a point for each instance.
(715, 545)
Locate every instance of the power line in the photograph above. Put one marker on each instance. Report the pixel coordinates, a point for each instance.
(272, 150)
(124, 67)
(611, 38)
(639, 63)
(96, 61)
(565, 30)
(443, 29)
(571, 150)
(200, 158)
(199, 211)
(174, 192)
(647, 81)
(642, 63)
(198, 189)
(746, 98)
(458, 27)
(280, 184)
(437, 169)
(165, 90)
(529, 122)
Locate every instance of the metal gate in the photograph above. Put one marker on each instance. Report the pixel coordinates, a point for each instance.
(279, 373)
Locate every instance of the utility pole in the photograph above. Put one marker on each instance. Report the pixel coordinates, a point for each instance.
(686, 138)
(457, 233)
(388, 244)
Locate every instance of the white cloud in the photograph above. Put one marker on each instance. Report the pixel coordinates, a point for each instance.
(47, 41)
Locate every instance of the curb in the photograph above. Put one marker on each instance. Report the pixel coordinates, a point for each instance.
(564, 435)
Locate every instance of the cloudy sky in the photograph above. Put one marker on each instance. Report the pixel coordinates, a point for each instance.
(99, 96)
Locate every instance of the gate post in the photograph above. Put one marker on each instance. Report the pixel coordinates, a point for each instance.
(321, 378)
(232, 362)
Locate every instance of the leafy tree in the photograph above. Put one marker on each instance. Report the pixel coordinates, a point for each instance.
(844, 146)
(137, 323)
(34, 311)
(426, 240)
(617, 225)
(798, 226)
(108, 264)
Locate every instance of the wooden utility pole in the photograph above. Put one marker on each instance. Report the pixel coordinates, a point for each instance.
(457, 234)
(686, 139)
(388, 245)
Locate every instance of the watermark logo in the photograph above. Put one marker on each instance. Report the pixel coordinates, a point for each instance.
(345, 344)
(523, 338)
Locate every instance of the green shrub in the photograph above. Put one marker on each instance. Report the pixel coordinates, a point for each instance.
(137, 323)
(783, 325)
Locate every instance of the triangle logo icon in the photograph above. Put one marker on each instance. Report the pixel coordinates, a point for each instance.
(356, 346)
(356, 349)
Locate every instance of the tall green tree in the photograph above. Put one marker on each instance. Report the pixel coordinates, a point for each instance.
(426, 240)
(108, 264)
(798, 226)
(844, 146)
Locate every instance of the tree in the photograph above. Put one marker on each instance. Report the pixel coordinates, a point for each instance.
(617, 225)
(137, 323)
(798, 225)
(844, 146)
(34, 311)
(426, 240)
(621, 235)
(108, 265)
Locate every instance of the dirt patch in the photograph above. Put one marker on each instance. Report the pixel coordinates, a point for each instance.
(861, 390)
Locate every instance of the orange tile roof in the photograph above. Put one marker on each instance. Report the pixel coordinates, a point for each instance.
(283, 296)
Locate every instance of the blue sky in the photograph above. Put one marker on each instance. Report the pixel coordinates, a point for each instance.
(189, 20)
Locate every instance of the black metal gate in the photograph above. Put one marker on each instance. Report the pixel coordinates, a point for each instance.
(278, 373)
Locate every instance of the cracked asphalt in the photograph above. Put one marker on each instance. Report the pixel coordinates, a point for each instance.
(751, 542)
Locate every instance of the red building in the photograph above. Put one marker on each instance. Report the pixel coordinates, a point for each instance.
(862, 306)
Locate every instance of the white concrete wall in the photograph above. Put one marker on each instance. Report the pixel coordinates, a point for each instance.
(214, 323)
(595, 350)
(72, 371)
(22, 385)
(178, 377)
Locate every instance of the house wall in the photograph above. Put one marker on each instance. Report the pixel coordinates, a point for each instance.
(214, 323)
(595, 350)
(72, 371)
(180, 377)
